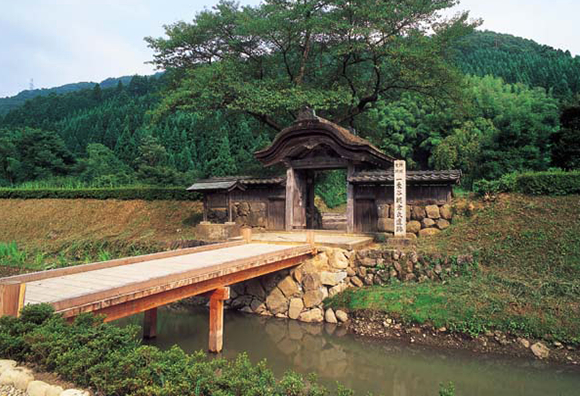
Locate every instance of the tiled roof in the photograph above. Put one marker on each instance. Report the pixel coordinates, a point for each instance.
(233, 182)
(445, 176)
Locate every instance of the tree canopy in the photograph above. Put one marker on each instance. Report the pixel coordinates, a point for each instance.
(336, 56)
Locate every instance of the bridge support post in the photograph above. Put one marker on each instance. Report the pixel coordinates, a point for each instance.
(247, 234)
(150, 324)
(216, 318)
(11, 298)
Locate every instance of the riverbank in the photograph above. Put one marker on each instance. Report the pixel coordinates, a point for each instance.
(379, 325)
(525, 283)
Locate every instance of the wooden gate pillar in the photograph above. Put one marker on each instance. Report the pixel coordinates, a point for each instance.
(150, 323)
(290, 187)
(349, 201)
(216, 318)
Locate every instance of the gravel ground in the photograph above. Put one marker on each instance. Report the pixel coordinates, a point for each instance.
(8, 390)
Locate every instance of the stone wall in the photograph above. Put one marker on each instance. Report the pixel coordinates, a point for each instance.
(299, 293)
(422, 220)
(244, 213)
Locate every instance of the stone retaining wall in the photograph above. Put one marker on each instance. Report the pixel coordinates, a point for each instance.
(299, 293)
(422, 220)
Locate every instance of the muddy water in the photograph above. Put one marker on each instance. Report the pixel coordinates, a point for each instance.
(382, 367)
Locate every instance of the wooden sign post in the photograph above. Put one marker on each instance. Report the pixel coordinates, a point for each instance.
(400, 201)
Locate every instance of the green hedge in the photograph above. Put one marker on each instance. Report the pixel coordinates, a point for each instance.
(112, 361)
(548, 183)
(124, 193)
(532, 183)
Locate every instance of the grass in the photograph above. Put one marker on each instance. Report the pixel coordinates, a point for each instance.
(527, 282)
(40, 234)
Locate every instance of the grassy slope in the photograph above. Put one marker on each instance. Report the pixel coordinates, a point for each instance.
(528, 280)
(55, 232)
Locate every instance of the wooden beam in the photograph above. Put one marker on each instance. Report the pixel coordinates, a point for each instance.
(130, 304)
(114, 263)
(205, 207)
(150, 324)
(216, 318)
(11, 298)
(310, 237)
(349, 201)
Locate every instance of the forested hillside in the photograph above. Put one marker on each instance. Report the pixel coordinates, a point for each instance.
(504, 117)
(13, 102)
(518, 60)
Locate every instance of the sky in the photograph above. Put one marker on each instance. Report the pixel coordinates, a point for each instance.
(56, 42)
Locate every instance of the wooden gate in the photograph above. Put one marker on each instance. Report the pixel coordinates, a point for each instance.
(365, 215)
(276, 213)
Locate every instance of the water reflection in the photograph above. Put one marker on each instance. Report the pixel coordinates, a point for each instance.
(387, 368)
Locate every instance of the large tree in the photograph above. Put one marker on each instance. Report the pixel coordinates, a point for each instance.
(337, 56)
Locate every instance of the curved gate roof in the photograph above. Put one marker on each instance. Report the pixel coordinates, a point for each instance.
(310, 135)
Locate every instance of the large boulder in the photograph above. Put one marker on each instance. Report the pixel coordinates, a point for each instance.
(276, 302)
(288, 286)
(432, 211)
(313, 315)
(39, 388)
(295, 308)
(413, 226)
(333, 291)
(313, 297)
(428, 232)
(19, 377)
(446, 212)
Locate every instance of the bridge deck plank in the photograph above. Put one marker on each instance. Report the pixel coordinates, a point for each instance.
(74, 285)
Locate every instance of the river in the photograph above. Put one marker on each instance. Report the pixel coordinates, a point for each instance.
(381, 367)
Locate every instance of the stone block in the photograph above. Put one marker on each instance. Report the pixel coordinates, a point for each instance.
(432, 211)
(313, 297)
(37, 388)
(428, 232)
(386, 225)
(333, 291)
(341, 315)
(312, 316)
(540, 350)
(288, 286)
(296, 306)
(338, 259)
(255, 288)
(18, 377)
(331, 278)
(6, 365)
(276, 302)
(446, 212)
(383, 211)
(311, 281)
(413, 226)
(53, 390)
(442, 224)
(426, 223)
(418, 213)
(356, 281)
(329, 316)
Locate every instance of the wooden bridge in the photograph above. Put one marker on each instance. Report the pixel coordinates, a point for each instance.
(127, 286)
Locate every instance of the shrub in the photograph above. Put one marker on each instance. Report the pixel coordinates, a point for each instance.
(124, 193)
(112, 361)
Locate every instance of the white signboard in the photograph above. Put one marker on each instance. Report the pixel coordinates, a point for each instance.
(400, 199)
